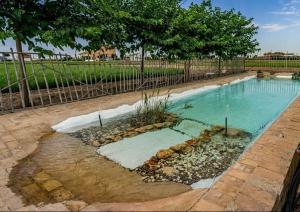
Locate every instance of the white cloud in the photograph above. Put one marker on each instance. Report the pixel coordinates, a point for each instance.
(290, 8)
(273, 27)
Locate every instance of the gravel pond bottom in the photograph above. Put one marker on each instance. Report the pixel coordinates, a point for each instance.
(64, 168)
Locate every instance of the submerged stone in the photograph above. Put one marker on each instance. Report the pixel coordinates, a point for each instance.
(51, 185)
(163, 154)
(61, 195)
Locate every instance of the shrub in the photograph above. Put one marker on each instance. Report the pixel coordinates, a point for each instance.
(152, 110)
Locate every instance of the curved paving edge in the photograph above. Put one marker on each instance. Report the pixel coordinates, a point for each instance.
(257, 181)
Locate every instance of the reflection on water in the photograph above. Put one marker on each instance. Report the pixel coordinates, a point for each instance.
(64, 168)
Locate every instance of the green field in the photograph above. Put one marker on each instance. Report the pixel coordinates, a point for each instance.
(84, 72)
(90, 72)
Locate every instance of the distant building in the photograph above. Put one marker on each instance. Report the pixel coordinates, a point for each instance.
(279, 55)
(103, 53)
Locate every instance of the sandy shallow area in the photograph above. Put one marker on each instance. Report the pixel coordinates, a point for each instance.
(64, 167)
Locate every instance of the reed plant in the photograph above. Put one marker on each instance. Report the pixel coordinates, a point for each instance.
(153, 109)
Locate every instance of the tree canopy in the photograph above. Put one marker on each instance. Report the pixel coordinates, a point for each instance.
(33, 22)
(162, 27)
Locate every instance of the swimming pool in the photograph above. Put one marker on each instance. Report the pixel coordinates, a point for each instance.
(249, 105)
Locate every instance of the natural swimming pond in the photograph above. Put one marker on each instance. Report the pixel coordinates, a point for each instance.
(63, 167)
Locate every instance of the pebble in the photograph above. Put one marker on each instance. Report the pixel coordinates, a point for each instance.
(207, 160)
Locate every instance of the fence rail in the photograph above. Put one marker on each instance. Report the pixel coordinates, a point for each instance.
(30, 80)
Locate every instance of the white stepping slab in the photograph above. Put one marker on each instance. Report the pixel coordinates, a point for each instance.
(191, 128)
(133, 152)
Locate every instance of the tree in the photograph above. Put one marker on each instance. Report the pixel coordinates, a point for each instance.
(144, 25)
(232, 35)
(33, 22)
(187, 36)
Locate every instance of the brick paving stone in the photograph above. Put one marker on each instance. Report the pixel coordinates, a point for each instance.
(240, 174)
(230, 189)
(258, 194)
(265, 184)
(270, 175)
(246, 203)
(204, 205)
(219, 198)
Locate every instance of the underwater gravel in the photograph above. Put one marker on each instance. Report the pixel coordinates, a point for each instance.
(206, 160)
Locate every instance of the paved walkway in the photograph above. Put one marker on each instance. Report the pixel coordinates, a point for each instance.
(255, 182)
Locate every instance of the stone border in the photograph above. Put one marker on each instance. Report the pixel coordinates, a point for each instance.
(257, 181)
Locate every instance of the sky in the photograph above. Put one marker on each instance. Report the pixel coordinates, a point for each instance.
(278, 21)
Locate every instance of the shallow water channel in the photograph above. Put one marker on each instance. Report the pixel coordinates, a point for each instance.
(63, 167)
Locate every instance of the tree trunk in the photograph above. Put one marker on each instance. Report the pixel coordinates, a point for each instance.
(23, 72)
(187, 70)
(142, 65)
(219, 65)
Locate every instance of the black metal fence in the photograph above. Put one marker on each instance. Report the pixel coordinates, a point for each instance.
(32, 80)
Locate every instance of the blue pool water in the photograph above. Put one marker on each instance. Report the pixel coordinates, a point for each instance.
(249, 105)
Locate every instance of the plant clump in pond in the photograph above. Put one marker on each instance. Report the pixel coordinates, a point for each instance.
(200, 158)
(260, 74)
(187, 106)
(296, 76)
(152, 110)
(151, 115)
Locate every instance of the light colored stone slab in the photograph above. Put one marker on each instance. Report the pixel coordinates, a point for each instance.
(133, 152)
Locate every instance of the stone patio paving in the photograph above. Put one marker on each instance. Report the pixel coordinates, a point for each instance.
(257, 181)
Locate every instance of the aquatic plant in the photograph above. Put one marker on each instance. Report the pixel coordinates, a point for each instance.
(260, 74)
(296, 76)
(187, 106)
(152, 110)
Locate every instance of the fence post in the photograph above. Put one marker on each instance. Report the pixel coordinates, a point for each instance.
(25, 90)
(219, 65)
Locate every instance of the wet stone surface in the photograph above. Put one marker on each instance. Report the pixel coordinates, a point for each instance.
(202, 160)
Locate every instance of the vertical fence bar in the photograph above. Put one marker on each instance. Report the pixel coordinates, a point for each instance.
(79, 74)
(95, 86)
(66, 77)
(72, 78)
(46, 82)
(17, 78)
(87, 82)
(61, 79)
(36, 81)
(9, 84)
(55, 79)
